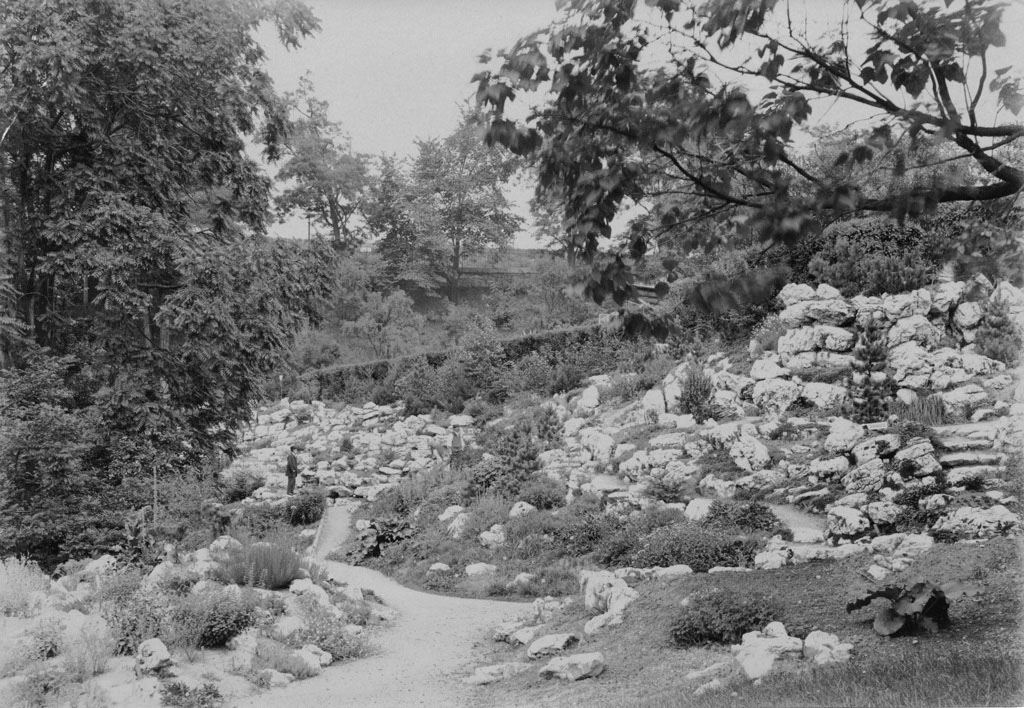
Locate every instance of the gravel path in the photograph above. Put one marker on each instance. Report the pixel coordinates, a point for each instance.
(419, 660)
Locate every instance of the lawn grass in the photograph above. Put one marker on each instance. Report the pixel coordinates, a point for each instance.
(976, 661)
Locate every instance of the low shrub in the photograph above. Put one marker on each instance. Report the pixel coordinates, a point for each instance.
(324, 629)
(19, 579)
(215, 616)
(241, 485)
(266, 565)
(179, 581)
(689, 544)
(89, 653)
(720, 464)
(543, 492)
(306, 507)
(668, 489)
(180, 695)
(273, 655)
(717, 616)
(622, 540)
(582, 526)
(133, 619)
(746, 516)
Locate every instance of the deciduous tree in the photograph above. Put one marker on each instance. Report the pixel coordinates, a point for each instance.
(694, 107)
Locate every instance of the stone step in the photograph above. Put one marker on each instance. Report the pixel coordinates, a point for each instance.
(988, 430)
(957, 475)
(971, 458)
(959, 444)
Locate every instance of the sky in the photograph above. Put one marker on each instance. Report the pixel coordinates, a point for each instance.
(394, 71)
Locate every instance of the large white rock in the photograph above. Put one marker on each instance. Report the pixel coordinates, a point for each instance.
(911, 365)
(960, 398)
(600, 444)
(845, 521)
(521, 508)
(151, 656)
(551, 644)
(589, 399)
(793, 293)
(653, 402)
(915, 328)
(897, 307)
(776, 395)
(883, 512)
(983, 523)
(947, 296)
(603, 592)
(843, 434)
(767, 369)
(474, 569)
(797, 341)
(831, 312)
(834, 339)
(750, 454)
(823, 395)
(575, 667)
(867, 478)
(824, 648)
(493, 538)
(968, 315)
(698, 508)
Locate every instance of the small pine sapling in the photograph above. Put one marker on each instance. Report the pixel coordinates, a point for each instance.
(871, 386)
(997, 336)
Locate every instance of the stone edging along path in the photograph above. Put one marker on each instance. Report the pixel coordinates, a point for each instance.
(418, 660)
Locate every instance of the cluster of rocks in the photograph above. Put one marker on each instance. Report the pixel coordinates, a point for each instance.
(930, 334)
(350, 451)
(153, 661)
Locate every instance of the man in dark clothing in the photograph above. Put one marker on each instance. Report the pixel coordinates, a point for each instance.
(292, 471)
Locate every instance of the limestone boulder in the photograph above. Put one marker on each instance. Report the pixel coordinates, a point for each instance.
(767, 368)
(574, 668)
(793, 293)
(968, 315)
(975, 522)
(843, 435)
(484, 675)
(867, 478)
(151, 656)
(776, 395)
(846, 522)
(551, 644)
(824, 648)
(834, 339)
(915, 328)
(823, 395)
(750, 454)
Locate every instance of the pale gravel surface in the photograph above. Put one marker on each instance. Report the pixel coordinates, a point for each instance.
(418, 660)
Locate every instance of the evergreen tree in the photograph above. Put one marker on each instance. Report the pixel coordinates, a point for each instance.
(871, 387)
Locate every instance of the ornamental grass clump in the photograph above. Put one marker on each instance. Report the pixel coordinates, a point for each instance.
(267, 565)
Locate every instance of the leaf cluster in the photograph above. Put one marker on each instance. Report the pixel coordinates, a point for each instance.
(922, 605)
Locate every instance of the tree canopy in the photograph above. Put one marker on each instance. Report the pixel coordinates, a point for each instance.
(695, 109)
(146, 298)
(448, 205)
(325, 179)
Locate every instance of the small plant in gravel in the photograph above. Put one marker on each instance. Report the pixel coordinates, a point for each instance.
(273, 655)
(326, 630)
(180, 695)
(922, 605)
(719, 616)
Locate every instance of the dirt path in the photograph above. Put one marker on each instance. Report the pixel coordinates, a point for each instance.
(419, 660)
